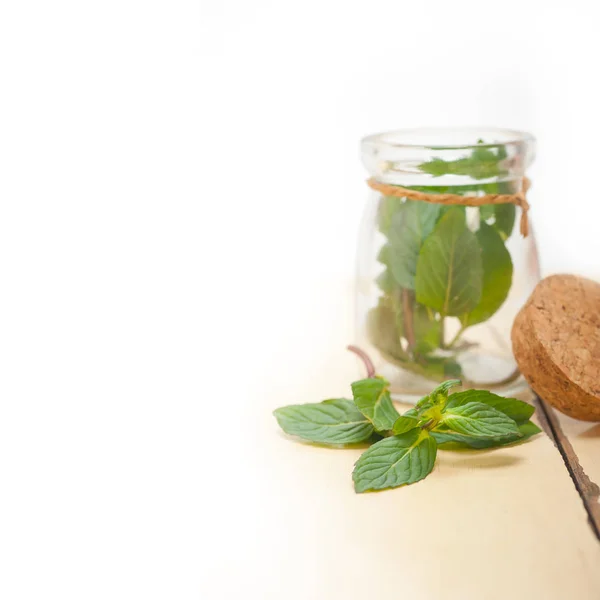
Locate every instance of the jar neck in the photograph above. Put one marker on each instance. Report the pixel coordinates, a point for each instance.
(495, 158)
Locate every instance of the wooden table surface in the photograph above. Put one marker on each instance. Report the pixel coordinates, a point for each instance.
(485, 525)
(505, 523)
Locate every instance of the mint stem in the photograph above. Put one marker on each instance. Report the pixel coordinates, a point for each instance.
(408, 318)
(365, 358)
(455, 338)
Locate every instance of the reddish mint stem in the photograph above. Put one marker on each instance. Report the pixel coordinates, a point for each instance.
(365, 358)
(409, 326)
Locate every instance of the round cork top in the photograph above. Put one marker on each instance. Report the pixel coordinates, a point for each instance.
(556, 341)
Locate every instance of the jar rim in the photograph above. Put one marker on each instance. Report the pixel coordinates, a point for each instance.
(412, 157)
(477, 137)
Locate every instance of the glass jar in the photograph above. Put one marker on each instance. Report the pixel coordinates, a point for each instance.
(442, 266)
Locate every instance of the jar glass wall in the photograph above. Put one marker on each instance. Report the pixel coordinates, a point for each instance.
(442, 273)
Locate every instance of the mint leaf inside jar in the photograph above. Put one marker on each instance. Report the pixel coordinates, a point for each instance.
(443, 270)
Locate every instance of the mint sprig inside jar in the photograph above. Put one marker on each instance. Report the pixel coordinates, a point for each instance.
(447, 256)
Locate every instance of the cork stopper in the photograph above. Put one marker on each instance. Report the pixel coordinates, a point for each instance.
(556, 343)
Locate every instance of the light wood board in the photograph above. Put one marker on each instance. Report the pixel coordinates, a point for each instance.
(485, 525)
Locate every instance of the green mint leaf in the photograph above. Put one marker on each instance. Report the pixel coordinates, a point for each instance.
(443, 388)
(486, 212)
(505, 219)
(384, 254)
(517, 410)
(478, 420)
(483, 163)
(335, 421)
(526, 430)
(529, 429)
(427, 330)
(385, 328)
(448, 207)
(409, 227)
(435, 167)
(438, 396)
(388, 206)
(372, 398)
(434, 189)
(449, 271)
(445, 437)
(497, 276)
(502, 153)
(395, 461)
(405, 423)
(385, 280)
(436, 368)
(423, 404)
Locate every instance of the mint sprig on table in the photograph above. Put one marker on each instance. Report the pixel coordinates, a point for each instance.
(404, 447)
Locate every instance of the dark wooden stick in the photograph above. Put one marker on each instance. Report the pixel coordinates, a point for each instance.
(588, 490)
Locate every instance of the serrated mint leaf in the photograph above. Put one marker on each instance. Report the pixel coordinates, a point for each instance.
(405, 423)
(423, 404)
(372, 397)
(395, 461)
(385, 327)
(449, 207)
(385, 281)
(383, 256)
(445, 386)
(478, 420)
(427, 330)
(449, 272)
(335, 421)
(483, 163)
(388, 206)
(436, 167)
(410, 225)
(444, 437)
(517, 410)
(505, 219)
(526, 430)
(497, 276)
(438, 396)
(436, 368)
(486, 212)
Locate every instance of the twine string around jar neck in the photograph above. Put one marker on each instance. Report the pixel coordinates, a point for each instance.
(517, 199)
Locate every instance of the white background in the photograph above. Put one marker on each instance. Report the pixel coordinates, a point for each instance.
(180, 185)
